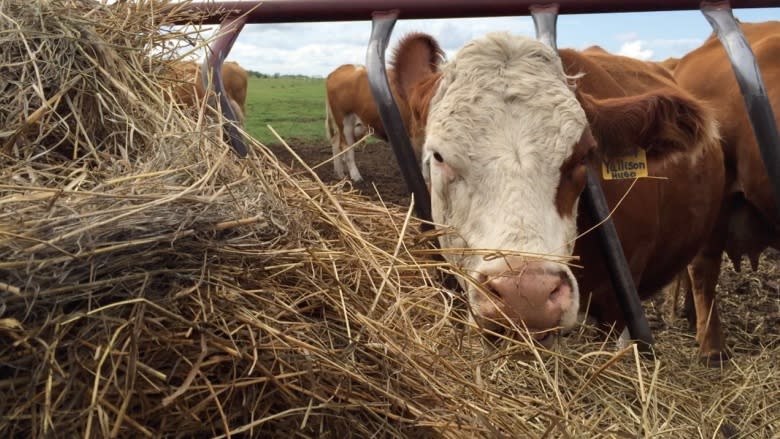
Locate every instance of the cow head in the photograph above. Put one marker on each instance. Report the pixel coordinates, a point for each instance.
(506, 145)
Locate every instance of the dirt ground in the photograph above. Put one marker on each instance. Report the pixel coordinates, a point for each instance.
(375, 161)
(749, 301)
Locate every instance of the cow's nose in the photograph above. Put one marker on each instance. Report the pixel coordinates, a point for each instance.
(534, 293)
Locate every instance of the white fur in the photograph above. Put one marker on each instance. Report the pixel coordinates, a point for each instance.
(504, 119)
(344, 154)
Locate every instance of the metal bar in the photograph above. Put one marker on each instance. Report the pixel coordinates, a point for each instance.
(617, 266)
(596, 205)
(211, 75)
(381, 28)
(281, 11)
(743, 62)
(545, 22)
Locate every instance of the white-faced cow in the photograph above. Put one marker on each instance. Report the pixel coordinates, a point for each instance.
(749, 220)
(190, 91)
(510, 129)
(351, 112)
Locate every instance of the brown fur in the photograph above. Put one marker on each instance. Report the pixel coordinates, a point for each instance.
(190, 91)
(347, 91)
(661, 222)
(749, 220)
(417, 79)
(670, 63)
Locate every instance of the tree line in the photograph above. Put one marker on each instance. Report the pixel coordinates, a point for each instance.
(255, 74)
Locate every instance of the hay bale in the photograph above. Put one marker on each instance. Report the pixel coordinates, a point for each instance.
(154, 285)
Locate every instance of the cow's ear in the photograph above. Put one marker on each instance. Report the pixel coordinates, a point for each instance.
(415, 59)
(662, 122)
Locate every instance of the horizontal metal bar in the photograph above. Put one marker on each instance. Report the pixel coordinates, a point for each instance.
(291, 11)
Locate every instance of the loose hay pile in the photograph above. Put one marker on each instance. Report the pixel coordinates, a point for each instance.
(154, 285)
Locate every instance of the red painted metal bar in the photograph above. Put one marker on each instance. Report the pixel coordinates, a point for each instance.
(290, 11)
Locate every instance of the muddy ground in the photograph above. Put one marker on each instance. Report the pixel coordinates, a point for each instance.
(749, 301)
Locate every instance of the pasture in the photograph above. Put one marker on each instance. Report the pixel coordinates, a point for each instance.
(153, 285)
(294, 106)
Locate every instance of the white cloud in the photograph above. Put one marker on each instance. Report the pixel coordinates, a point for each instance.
(319, 47)
(635, 49)
(627, 36)
(316, 49)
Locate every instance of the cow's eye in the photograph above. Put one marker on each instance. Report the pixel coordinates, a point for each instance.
(438, 157)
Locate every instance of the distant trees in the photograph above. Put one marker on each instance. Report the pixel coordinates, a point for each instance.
(255, 74)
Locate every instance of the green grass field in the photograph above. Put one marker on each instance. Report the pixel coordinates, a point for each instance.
(294, 107)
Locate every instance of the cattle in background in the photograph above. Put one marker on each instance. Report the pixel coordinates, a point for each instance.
(190, 91)
(510, 129)
(749, 220)
(351, 113)
(664, 68)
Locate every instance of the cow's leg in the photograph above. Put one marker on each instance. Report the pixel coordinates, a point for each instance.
(680, 287)
(704, 271)
(336, 143)
(338, 163)
(351, 122)
(238, 111)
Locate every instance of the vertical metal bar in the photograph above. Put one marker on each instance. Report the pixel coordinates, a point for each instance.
(211, 75)
(381, 27)
(545, 17)
(743, 62)
(545, 22)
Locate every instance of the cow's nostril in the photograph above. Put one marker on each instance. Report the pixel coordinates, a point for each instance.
(491, 290)
(556, 293)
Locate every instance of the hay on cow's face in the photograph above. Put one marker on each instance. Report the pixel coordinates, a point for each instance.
(154, 285)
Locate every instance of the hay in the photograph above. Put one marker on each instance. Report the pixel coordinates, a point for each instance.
(153, 285)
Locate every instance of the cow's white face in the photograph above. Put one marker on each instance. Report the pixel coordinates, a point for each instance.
(500, 158)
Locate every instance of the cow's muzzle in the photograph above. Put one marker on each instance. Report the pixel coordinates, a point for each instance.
(538, 295)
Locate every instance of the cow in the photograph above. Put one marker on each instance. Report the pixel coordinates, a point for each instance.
(189, 90)
(510, 130)
(669, 63)
(351, 113)
(748, 221)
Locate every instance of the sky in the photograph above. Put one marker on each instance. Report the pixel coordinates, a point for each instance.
(316, 49)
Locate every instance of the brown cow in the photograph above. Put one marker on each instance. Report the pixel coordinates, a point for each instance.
(190, 91)
(510, 129)
(351, 113)
(749, 220)
(669, 63)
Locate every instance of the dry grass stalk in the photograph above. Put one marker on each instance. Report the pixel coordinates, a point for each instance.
(155, 286)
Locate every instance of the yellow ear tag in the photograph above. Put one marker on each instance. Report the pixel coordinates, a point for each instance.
(626, 166)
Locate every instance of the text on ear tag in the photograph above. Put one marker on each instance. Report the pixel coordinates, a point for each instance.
(625, 166)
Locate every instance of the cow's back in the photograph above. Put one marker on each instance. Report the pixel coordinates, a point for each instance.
(708, 74)
(663, 221)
